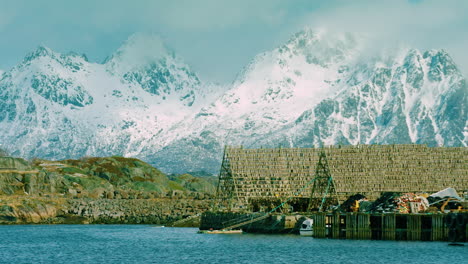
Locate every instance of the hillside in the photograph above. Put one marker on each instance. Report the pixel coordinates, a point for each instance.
(93, 190)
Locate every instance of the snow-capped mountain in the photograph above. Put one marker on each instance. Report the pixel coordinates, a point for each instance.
(144, 101)
(59, 106)
(325, 89)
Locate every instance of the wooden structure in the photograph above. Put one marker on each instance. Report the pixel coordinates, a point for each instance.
(419, 227)
(323, 188)
(256, 179)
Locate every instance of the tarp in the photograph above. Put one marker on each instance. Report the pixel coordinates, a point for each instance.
(448, 192)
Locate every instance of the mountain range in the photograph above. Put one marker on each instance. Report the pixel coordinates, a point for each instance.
(144, 101)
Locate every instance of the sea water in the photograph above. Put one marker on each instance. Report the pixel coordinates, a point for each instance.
(149, 244)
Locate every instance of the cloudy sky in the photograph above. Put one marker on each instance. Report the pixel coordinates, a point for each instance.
(219, 37)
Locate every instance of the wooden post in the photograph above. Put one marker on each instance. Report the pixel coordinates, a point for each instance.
(336, 225)
(351, 226)
(319, 225)
(363, 229)
(413, 227)
(437, 230)
(388, 227)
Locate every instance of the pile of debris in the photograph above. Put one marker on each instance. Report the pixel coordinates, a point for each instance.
(403, 203)
(394, 202)
(412, 203)
(353, 203)
(386, 203)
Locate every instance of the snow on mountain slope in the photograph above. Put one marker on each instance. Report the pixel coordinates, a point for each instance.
(320, 89)
(60, 106)
(144, 101)
(403, 101)
(278, 86)
(271, 92)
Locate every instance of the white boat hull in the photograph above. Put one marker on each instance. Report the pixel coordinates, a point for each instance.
(307, 228)
(306, 232)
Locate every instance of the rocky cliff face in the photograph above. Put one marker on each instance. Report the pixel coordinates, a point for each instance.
(144, 101)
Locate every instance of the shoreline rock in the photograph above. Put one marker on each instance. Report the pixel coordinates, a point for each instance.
(162, 211)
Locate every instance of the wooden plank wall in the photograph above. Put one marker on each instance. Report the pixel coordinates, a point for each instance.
(414, 227)
(388, 227)
(358, 226)
(320, 223)
(438, 228)
(363, 226)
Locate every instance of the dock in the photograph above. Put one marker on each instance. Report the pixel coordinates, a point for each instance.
(451, 227)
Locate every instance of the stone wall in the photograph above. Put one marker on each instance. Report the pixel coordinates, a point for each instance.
(42, 210)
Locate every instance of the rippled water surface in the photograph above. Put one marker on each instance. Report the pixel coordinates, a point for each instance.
(148, 244)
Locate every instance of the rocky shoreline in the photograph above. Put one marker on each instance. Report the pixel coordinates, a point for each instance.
(162, 211)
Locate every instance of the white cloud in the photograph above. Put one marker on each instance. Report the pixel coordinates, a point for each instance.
(382, 16)
(428, 24)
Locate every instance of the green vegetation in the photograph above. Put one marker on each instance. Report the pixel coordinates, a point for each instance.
(94, 177)
(205, 184)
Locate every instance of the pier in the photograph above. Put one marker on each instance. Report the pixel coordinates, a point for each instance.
(419, 227)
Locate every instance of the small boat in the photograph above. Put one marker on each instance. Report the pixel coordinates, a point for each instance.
(307, 227)
(220, 231)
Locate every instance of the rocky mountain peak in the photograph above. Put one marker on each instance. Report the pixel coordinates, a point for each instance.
(440, 64)
(145, 60)
(41, 51)
(47, 61)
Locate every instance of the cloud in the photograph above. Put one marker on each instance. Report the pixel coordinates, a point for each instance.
(425, 24)
(221, 36)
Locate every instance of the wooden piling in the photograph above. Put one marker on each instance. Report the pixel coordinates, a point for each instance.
(336, 225)
(416, 227)
(320, 228)
(388, 227)
(437, 227)
(351, 226)
(413, 227)
(363, 226)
